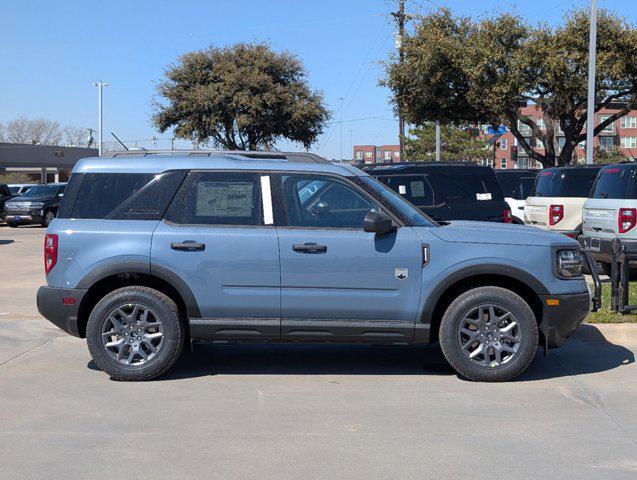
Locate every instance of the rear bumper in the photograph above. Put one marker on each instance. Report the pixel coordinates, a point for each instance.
(601, 249)
(561, 320)
(52, 307)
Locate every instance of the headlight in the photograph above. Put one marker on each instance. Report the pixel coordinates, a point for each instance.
(568, 263)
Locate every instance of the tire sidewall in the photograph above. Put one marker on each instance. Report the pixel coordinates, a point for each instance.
(171, 326)
(496, 296)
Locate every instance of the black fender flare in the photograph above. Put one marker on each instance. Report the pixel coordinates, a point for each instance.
(473, 270)
(138, 266)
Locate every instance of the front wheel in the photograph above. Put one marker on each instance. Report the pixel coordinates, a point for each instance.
(135, 333)
(489, 334)
(48, 218)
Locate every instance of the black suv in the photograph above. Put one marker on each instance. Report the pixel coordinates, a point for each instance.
(37, 206)
(5, 194)
(447, 191)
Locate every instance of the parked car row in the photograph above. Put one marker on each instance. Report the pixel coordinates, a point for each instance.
(30, 204)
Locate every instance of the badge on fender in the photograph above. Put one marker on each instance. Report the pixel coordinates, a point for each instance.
(401, 273)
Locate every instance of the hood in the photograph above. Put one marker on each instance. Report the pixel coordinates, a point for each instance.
(499, 234)
(41, 198)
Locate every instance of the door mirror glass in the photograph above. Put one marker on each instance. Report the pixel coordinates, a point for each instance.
(376, 222)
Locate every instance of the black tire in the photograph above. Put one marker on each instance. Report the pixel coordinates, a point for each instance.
(12, 224)
(160, 306)
(481, 368)
(48, 218)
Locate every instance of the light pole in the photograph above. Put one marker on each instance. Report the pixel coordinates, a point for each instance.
(99, 84)
(590, 109)
(437, 141)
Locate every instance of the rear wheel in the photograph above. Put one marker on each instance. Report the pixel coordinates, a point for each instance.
(489, 334)
(135, 333)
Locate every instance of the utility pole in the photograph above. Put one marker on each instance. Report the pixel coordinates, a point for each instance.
(590, 109)
(401, 18)
(99, 86)
(341, 100)
(437, 141)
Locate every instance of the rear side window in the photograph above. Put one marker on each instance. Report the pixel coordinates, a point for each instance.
(414, 188)
(222, 198)
(467, 188)
(124, 196)
(516, 186)
(546, 184)
(612, 182)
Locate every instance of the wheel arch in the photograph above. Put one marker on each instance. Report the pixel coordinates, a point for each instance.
(107, 278)
(511, 278)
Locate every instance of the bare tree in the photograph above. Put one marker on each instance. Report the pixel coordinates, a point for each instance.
(2, 132)
(75, 136)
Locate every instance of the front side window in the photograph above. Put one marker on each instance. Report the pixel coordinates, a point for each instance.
(223, 198)
(323, 202)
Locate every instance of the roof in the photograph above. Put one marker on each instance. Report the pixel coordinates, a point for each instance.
(421, 166)
(163, 160)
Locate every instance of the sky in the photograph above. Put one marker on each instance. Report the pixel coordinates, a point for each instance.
(52, 52)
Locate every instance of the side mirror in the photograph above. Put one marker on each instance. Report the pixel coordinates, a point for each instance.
(60, 195)
(376, 222)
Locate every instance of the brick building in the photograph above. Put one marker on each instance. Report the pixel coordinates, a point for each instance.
(376, 154)
(621, 134)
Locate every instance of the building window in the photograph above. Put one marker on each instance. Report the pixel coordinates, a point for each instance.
(524, 128)
(503, 144)
(629, 122)
(378, 154)
(359, 154)
(610, 128)
(396, 154)
(539, 144)
(561, 141)
(387, 155)
(368, 154)
(606, 143)
(540, 124)
(503, 163)
(628, 142)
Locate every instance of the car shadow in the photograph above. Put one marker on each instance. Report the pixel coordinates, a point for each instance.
(594, 354)
(6, 242)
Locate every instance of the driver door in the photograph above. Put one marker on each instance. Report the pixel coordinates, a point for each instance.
(338, 282)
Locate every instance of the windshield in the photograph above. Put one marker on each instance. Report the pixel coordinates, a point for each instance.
(14, 190)
(612, 182)
(565, 183)
(43, 191)
(387, 195)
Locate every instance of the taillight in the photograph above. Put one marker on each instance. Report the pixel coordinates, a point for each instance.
(50, 252)
(507, 216)
(626, 219)
(556, 214)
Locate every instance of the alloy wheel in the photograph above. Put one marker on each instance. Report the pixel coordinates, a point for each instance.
(132, 334)
(489, 335)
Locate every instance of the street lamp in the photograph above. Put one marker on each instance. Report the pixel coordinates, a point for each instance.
(99, 84)
(590, 109)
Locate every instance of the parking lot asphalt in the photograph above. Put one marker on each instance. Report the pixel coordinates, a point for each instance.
(300, 411)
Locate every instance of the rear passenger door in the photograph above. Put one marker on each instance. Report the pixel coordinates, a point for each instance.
(339, 282)
(216, 237)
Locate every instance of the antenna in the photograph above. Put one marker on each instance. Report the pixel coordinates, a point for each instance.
(120, 142)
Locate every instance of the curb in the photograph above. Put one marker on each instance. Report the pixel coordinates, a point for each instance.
(606, 332)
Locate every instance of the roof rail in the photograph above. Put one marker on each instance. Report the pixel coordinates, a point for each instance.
(248, 154)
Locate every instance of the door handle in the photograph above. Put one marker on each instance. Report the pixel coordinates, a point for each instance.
(309, 248)
(188, 246)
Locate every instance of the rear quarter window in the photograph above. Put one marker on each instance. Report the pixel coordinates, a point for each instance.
(121, 196)
(467, 187)
(414, 188)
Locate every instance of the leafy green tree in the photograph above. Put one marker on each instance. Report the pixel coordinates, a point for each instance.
(460, 70)
(613, 155)
(456, 143)
(245, 96)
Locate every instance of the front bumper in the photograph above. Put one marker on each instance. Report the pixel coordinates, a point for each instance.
(563, 316)
(24, 218)
(601, 249)
(63, 314)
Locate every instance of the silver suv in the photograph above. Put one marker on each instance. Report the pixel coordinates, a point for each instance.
(611, 213)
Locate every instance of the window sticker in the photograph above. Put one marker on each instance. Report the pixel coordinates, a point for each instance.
(483, 196)
(224, 199)
(417, 188)
(402, 189)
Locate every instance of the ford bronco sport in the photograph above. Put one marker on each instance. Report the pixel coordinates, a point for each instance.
(558, 197)
(147, 254)
(611, 213)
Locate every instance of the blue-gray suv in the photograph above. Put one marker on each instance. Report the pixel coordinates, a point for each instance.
(150, 250)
